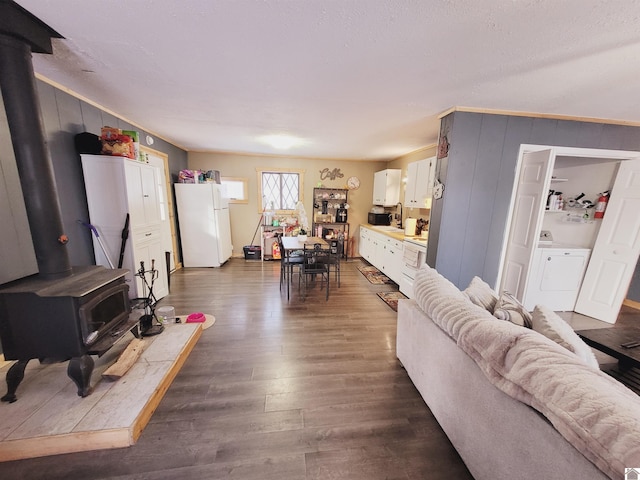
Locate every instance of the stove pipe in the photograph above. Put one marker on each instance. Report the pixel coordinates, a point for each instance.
(22, 106)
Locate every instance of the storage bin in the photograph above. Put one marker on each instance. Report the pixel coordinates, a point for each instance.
(252, 252)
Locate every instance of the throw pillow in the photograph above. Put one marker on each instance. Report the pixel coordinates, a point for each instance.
(481, 294)
(552, 326)
(509, 308)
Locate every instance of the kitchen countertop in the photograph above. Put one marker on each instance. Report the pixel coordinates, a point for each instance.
(417, 240)
(397, 233)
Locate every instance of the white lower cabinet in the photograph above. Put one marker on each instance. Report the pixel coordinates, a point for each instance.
(363, 244)
(147, 248)
(368, 245)
(383, 252)
(390, 258)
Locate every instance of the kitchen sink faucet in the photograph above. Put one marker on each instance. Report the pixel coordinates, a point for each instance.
(399, 216)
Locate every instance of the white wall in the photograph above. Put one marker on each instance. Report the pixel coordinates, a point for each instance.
(244, 217)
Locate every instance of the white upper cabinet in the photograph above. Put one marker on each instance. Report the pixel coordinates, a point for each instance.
(386, 187)
(142, 194)
(410, 189)
(420, 178)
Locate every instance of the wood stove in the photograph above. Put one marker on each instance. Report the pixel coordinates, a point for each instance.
(72, 318)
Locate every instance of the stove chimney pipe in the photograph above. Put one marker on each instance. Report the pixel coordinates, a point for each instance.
(22, 106)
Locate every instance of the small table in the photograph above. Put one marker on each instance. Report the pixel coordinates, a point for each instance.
(291, 244)
(294, 243)
(610, 340)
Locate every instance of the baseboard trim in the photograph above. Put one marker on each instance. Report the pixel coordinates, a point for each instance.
(632, 304)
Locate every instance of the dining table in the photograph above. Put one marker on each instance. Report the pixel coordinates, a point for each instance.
(294, 244)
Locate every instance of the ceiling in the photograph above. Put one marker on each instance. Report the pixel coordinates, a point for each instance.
(354, 79)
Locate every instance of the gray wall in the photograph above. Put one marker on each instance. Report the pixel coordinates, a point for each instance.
(64, 116)
(468, 223)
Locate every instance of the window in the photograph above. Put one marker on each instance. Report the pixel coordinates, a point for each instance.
(282, 188)
(236, 189)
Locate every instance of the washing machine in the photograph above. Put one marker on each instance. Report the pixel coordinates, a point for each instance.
(556, 276)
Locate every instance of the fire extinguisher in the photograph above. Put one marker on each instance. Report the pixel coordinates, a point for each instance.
(601, 205)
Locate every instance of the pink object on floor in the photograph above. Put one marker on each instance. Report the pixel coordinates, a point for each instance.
(197, 317)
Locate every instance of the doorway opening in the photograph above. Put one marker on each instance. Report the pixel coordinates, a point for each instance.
(160, 160)
(600, 254)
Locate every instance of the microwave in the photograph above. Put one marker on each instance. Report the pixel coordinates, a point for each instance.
(379, 218)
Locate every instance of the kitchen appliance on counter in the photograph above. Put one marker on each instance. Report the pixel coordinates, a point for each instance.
(410, 226)
(379, 218)
(341, 214)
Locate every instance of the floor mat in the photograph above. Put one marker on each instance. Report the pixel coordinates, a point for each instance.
(374, 275)
(391, 299)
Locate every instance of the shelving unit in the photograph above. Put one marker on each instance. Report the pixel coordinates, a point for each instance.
(329, 214)
(267, 235)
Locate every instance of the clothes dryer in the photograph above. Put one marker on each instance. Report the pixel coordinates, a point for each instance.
(556, 276)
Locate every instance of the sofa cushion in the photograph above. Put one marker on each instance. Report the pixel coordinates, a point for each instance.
(481, 294)
(443, 302)
(552, 326)
(509, 308)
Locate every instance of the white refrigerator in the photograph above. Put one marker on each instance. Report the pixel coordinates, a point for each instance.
(205, 229)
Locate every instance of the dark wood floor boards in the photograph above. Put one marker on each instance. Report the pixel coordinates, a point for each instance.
(278, 390)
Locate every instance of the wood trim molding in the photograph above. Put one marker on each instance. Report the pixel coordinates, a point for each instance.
(512, 113)
(431, 146)
(169, 200)
(632, 304)
(3, 362)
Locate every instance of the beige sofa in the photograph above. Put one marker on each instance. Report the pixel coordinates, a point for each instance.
(514, 403)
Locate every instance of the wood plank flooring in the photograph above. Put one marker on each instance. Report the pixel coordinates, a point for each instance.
(277, 390)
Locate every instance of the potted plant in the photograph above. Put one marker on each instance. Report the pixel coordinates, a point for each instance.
(304, 222)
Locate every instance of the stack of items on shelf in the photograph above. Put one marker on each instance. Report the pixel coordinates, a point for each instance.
(199, 176)
(122, 143)
(113, 142)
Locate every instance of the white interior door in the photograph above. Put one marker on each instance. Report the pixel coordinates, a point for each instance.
(224, 235)
(526, 219)
(165, 208)
(615, 253)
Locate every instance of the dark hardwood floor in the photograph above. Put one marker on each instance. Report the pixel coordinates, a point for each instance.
(278, 390)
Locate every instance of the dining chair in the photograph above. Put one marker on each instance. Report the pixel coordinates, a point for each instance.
(315, 263)
(288, 260)
(336, 250)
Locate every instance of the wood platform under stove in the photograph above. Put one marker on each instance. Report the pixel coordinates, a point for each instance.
(49, 418)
